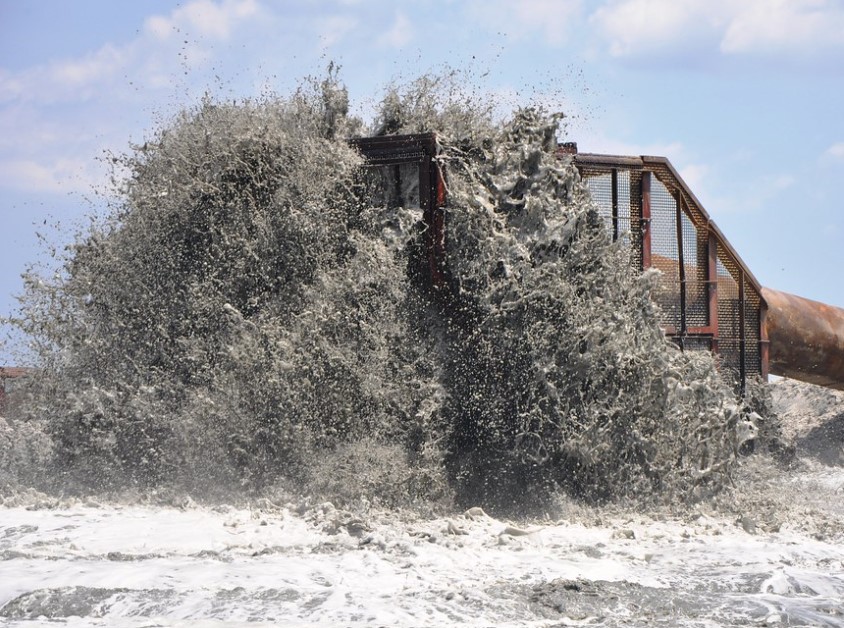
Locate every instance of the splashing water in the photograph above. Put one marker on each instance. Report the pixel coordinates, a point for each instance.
(249, 329)
(246, 317)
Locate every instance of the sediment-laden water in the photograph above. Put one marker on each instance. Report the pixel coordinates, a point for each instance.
(253, 404)
(767, 560)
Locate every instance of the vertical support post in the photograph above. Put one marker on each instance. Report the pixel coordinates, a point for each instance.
(681, 263)
(742, 335)
(426, 199)
(432, 199)
(614, 204)
(764, 341)
(646, 220)
(712, 283)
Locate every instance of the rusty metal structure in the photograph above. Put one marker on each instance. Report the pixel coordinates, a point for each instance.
(9, 375)
(708, 298)
(403, 172)
(807, 339)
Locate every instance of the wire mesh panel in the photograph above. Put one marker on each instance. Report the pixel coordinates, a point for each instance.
(752, 327)
(695, 266)
(624, 207)
(721, 313)
(665, 254)
(634, 199)
(729, 316)
(600, 188)
(697, 343)
(617, 197)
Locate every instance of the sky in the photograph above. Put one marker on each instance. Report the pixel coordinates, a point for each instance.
(746, 99)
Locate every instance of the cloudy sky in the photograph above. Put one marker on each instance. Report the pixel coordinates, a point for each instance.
(745, 98)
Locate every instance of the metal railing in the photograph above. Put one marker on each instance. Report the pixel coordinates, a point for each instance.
(708, 298)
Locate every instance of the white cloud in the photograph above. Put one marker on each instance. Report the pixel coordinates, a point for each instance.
(94, 67)
(601, 144)
(836, 151)
(333, 29)
(753, 195)
(11, 86)
(400, 33)
(159, 27)
(802, 28)
(56, 118)
(832, 231)
(552, 19)
(181, 37)
(202, 17)
(640, 26)
(695, 176)
(777, 26)
(59, 176)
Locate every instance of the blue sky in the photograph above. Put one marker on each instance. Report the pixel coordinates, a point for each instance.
(745, 98)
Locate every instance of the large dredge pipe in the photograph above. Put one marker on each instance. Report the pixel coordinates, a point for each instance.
(806, 339)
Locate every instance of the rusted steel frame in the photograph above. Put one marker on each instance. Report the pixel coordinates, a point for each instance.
(13, 372)
(681, 262)
(431, 180)
(425, 192)
(712, 286)
(594, 160)
(806, 339)
(614, 177)
(386, 150)
(700, 331)
(645, 220)
(10, 372)
(706, 220)
(421, 149)
(646, 164)
(764, 342)
(742, 333)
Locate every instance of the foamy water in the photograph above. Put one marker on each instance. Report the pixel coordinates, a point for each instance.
(103, 565)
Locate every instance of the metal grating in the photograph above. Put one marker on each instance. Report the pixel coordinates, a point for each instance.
(695, 262)
(707, 298)
(623, 215)
(729, 318)
(600, 188)
(665, 255)
(752, 326)
(697, 343)
(636, 235)
(611, 192)
(617, 195)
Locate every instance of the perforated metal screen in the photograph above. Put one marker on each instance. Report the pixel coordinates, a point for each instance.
(707, 298)
(617, 194)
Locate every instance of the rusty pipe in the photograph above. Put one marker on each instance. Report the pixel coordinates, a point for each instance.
(806, 339)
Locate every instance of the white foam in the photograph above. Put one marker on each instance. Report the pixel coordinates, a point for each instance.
(199, 565)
